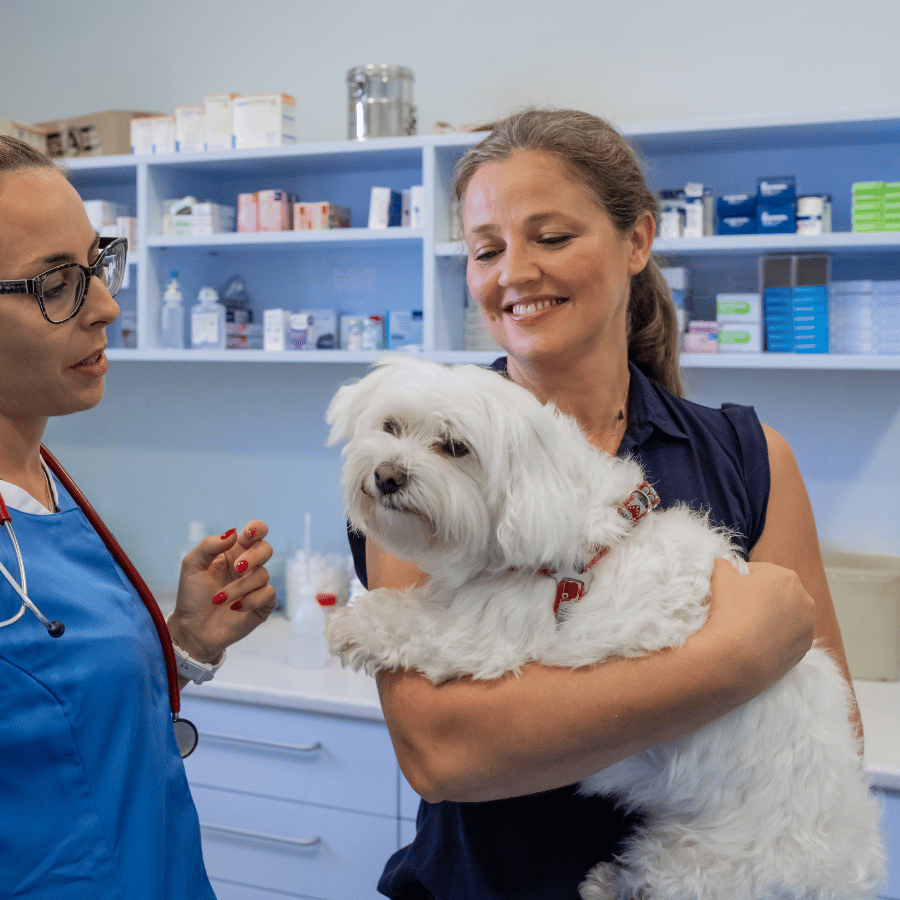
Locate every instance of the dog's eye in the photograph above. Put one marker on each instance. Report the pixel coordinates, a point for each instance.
(391, 427)
(454, 448)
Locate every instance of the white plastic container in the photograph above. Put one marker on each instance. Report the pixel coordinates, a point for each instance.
(171, 317)
(208, 322)
(309, 649)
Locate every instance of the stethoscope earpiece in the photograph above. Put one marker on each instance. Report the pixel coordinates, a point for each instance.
(55, 629)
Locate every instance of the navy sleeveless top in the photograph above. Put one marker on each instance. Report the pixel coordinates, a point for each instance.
(540, 847)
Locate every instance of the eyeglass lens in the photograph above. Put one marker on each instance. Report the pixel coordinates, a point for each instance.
(62, 290)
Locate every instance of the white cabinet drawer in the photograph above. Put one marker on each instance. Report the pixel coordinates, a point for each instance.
(345, 763)
(890, 829)
(226, 890)
(280, 845)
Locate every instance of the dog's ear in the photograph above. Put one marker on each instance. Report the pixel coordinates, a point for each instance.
(343, 411)
(535, 522)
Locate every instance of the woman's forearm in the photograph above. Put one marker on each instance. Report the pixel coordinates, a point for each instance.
(472, 740)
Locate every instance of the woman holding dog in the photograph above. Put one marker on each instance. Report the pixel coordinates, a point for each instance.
(559, 225)
(94, 800)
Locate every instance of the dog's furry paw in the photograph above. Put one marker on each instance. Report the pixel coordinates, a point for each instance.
(601, 883)
(343, 639)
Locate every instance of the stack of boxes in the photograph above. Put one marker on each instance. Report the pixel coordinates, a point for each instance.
(876, 206)
(222, 122)
(776, 205)
(739, 321)
(864, 316)
(736, 214)
(188, 216)
(795, 296)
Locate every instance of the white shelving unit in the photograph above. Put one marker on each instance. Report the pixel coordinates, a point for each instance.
(360, 270)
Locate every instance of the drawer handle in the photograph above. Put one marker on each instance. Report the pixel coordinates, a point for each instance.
(269, 745)
(288, 843)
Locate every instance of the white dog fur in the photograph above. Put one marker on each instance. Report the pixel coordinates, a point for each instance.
(481, 486)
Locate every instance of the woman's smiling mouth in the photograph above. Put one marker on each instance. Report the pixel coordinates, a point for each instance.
(530, 307)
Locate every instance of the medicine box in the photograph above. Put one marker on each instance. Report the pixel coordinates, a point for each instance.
(417, 206)
(247, 213)
(141, 136)
(776, 190)
(264, 120)
(321, 329)
(219, 110)
(313, 216)
(404, 328)
(737, 225)
(771, 219)
(740, 337)
(274, 210)
(730, 205)
(190, 129)
(276, 323)
(104, 212)
(163, 128)
(384, 208)
(738, 308)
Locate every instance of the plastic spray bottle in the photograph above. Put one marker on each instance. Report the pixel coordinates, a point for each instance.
(171, 320)
(208, 322)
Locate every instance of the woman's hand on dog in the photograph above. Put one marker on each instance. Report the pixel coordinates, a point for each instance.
(763, 622)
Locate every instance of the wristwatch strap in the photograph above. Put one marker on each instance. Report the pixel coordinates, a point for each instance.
(195, 671)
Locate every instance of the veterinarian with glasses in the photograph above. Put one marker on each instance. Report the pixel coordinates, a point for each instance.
(94, 800)
(559, 225)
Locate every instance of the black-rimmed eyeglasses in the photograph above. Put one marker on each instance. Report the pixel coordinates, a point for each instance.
(60, 291)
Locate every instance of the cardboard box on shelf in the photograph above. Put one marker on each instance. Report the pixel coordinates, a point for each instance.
(97, 134)
(29, 134)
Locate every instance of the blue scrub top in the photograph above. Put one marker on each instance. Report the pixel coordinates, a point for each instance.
(94, 801)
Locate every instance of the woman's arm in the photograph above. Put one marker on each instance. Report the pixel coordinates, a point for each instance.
(790, 539)
(470, 740)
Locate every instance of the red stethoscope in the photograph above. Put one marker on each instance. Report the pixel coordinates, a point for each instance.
(185, 731)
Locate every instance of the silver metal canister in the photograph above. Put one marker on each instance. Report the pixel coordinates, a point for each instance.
(380, 102)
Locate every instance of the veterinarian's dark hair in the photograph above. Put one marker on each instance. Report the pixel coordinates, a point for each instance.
(608, 167)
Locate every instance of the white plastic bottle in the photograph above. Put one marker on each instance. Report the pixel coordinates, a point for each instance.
(171, 317)
(208, 322)
(309, 648)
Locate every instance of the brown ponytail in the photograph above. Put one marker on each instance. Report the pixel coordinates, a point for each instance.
(608, 167)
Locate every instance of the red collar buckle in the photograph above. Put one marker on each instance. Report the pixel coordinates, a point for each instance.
(571, 585)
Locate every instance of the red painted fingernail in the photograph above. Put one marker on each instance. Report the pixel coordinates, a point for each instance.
(220, 598)
(229, 533)
(242, 566)
(253, 532)
(237, 605)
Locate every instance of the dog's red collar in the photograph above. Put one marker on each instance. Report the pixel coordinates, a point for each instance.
(571, 585)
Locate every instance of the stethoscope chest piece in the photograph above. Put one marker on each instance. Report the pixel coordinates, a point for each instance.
(186, 736)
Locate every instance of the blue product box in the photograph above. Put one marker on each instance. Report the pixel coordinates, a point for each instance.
(404, 328)
(776, 219)
(819, 345)
(736, 224)
(777, 190)
(736, 205)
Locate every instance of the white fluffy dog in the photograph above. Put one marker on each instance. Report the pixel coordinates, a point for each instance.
(497, 498)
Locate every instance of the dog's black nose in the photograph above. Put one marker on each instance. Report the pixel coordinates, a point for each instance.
(389, 478)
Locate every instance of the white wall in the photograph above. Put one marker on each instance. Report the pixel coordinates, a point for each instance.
(472, 59)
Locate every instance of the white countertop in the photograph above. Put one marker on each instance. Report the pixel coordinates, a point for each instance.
(258, 671)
